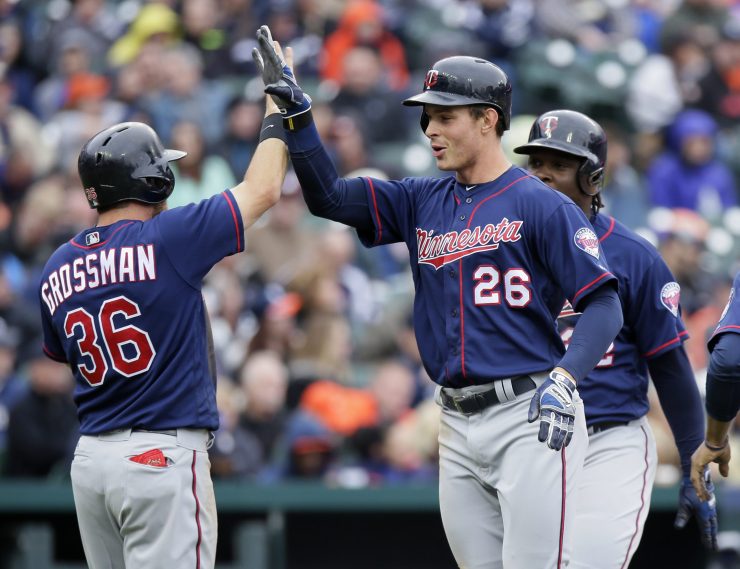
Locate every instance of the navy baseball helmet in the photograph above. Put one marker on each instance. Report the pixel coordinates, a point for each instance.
(465, 80)
(575, 134)
(126, 162)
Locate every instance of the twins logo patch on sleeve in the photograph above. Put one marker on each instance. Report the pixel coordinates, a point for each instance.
(586, 240)
(670, 297)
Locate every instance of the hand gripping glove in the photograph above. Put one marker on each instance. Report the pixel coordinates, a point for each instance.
(552, 402)
(280, 82)
(690, 504)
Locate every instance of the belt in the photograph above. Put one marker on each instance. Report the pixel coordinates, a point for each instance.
(605, 426)
(171, 432)
(500, 392)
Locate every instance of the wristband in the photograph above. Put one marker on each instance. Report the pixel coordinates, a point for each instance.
(716, 449)
(272, 128)
(299, 121)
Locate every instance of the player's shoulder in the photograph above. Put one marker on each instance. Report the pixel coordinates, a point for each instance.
(614, 234)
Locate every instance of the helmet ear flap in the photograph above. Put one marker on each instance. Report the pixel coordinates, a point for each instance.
(424, 121)
(589, 177)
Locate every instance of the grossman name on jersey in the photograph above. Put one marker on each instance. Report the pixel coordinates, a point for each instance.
(438, 250)
(111, 266)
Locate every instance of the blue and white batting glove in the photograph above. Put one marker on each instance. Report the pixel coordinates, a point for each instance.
(552, 403)
(690, 504)
(279, 80)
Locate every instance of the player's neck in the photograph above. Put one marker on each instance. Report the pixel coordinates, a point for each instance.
(486, 168)
(133, 211)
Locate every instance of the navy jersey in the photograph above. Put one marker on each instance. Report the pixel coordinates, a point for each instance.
(616, 389)
(492, 265)
(122, 304)
(729, 322)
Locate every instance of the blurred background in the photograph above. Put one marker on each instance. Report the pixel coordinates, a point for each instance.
(326, 418)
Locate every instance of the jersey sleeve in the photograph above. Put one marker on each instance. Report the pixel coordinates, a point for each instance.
(572, 253)
(653, 310)
(729, 321)
(51, 345)
(391, 206)
(197, 236)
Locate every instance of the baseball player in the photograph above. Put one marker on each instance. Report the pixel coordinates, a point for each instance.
(567, 151)
(722, 397)
(121, 303)
(494, 255)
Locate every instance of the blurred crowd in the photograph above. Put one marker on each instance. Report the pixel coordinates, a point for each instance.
(319, 375)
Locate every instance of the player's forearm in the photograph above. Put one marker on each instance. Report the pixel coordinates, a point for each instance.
(326, 194)
(717, 432)
(681, 401)
(263, 181)
(600, 322)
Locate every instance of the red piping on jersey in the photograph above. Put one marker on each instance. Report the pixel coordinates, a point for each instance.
(642, 501)
(563, 489)
(462, 311)
(236, 222)
(668, 343)
(501, 191)
(462, 321)
(197, 513)
(593, 282)
(102, 242)
(724, 328)
(608, 231)
(53, 356)
(377, 213)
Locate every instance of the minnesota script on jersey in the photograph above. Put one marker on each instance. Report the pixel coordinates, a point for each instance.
(117, 304)
(492, 265)
(616, 389)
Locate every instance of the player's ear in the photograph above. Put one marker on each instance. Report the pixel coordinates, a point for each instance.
(490, 118)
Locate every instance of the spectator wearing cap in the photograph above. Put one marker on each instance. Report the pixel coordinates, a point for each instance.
(688, 174)
(155, 23)
(87, 110)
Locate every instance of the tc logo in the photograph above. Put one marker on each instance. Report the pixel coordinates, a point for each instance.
(431, 78)
(548, 124)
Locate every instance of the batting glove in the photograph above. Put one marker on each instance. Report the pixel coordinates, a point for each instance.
(690, 504)
(279, 80)
(552, 402)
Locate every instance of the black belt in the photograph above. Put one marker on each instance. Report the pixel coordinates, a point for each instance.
(605, 426)
(474, 402)
(171, 432)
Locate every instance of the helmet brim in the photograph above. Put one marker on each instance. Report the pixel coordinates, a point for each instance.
(547, 144)
(171, 155)
(442, 99)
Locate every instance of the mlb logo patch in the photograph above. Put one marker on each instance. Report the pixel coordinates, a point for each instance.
(670, 297)
(92, 238)
(586, 240)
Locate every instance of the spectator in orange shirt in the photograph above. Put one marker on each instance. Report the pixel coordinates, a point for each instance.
(362, 24)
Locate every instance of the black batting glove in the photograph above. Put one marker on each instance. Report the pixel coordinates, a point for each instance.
(689, 504)
(279, 80)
